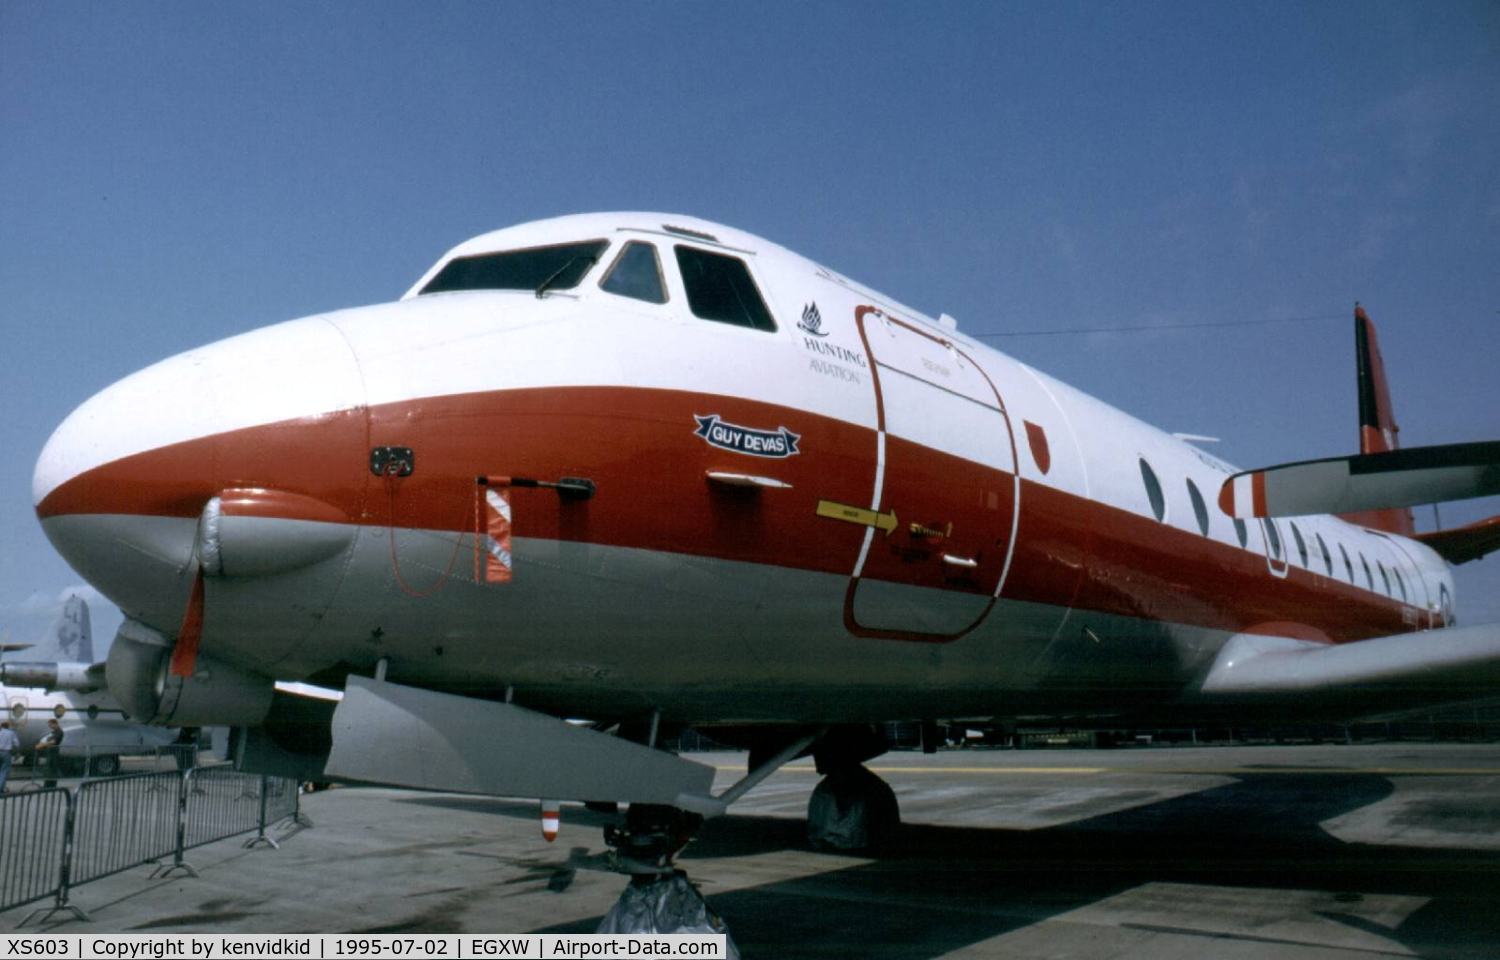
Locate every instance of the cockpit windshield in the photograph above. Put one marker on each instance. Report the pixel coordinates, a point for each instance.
(559, 267)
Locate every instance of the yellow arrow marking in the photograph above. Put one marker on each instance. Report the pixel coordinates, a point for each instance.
(859, 515)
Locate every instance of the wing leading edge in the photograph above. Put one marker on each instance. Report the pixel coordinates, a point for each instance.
(1384, 675)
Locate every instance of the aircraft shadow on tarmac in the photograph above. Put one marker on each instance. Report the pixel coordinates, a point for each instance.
(938, 889)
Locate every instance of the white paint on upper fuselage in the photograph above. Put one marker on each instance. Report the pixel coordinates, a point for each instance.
(1112, 445)
(287, 371)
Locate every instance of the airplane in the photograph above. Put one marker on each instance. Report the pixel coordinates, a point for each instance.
(61, 681)
(652, 472)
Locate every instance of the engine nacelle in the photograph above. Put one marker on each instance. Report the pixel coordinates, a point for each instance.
(254, 532)
(216, 694)
(52, 676)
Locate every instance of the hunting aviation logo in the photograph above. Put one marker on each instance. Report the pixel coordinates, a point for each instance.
(812, 321)
(773, 444)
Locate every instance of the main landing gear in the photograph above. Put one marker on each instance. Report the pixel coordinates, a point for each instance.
(851, 808)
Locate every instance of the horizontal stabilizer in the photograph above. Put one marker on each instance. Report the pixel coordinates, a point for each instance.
(14, 647)
(1371, 481)
(388, 733)
(1385, 675)
(1465, 543)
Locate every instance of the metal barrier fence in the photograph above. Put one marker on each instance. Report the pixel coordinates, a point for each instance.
(122, 822)
(53, 840)
(221, 802)
(33, 832)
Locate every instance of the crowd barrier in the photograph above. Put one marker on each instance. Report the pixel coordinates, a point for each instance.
(52, 840)
(122, 822)
(33, 832)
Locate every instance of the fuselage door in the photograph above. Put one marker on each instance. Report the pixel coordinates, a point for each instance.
(939, 543)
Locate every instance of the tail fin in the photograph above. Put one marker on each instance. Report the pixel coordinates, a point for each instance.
(71, 639)
(1377, 424)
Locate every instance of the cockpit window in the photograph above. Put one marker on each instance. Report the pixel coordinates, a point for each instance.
(636, 273)
(559, 267)
(719, 288)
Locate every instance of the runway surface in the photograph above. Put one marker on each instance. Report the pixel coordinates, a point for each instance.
(1298, 852)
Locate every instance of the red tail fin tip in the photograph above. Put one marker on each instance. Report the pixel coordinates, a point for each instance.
(1378, 431)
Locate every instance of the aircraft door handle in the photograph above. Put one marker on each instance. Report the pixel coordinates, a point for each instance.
(965, 563)
(746, 480)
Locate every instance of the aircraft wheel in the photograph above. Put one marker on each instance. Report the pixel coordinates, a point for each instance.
(105, 766)
(852, 809)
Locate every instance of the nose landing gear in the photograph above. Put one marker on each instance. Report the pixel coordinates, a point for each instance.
(851, 809)
(660, 898)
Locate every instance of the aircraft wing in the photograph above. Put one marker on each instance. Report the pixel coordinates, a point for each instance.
(1371, 481)
(1385, 675)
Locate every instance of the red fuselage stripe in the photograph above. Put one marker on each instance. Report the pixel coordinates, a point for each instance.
(639, 446)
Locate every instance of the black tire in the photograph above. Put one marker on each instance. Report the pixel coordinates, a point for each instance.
(107, 765)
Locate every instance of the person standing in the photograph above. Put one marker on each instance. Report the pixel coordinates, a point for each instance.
(9, 744)
(50, 750)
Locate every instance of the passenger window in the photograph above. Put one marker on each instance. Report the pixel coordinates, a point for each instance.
(1348, 565)
(1327, 557)
(1400, 582)
(1200, 509)
(1273, 537)
(1153, 490)
(1369, 578)
(636, 273)
(719, 288)
(1384, 577)
(1301, 544)
(1241, 532)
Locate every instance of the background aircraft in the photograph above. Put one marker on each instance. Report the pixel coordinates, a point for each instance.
(58, 678)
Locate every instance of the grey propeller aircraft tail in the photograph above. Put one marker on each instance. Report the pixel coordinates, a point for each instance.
(71, 638)
(62, 659)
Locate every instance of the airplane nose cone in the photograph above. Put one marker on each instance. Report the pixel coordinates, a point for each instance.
(120, 486)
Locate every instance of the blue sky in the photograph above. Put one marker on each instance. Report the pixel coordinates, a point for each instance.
(174, 173)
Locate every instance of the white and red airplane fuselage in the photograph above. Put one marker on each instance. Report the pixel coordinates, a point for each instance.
(852, 513)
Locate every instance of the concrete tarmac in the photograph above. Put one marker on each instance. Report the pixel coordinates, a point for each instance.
(1235, 853)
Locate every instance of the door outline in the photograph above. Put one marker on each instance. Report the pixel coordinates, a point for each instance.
(861, 314)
